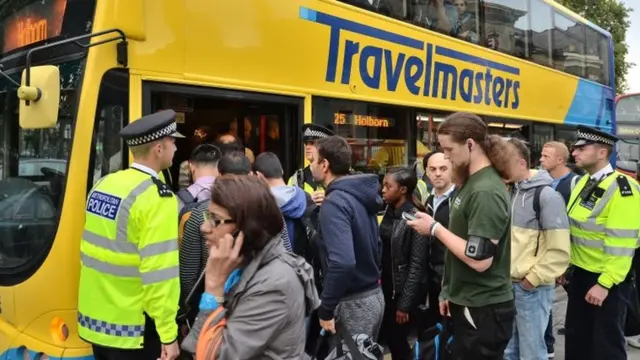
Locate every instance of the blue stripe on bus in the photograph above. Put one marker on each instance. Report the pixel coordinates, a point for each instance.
(344, 24)
(16, 353)
(588, 106)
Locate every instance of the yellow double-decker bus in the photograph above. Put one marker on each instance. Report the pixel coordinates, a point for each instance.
(381, 73)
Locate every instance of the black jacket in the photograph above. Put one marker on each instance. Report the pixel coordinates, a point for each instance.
(408, 260)
(436, 250)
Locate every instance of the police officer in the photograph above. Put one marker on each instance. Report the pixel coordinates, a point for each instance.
(129, 251)
(303, 177)
(603, 213)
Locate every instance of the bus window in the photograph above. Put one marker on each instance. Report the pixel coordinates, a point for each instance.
(540, 32)
(506, 25)
(628, 130)
(568, 45)
(111, 115)
(596, 57)
(377, 133)
(541, 134)
(468, 26)
(440, 16)
(33, 166)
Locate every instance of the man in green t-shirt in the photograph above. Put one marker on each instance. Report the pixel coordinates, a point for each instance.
(476, 291)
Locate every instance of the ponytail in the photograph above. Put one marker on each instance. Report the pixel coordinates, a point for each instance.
(499, 151)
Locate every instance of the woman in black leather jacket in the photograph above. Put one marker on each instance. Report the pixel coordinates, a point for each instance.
(404, 261)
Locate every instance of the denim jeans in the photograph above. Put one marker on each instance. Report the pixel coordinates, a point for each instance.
(533, 308)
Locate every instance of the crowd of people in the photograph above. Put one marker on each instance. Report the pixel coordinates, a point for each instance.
(245, 264)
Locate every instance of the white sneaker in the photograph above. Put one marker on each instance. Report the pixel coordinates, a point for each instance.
(634, 341)
(551, 355)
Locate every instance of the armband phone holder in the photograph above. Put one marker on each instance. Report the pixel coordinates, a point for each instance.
(479, 248)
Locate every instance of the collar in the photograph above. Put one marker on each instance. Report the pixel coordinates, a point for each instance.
(602, 172)
(446, 193)
(205, 180)
(145, 169)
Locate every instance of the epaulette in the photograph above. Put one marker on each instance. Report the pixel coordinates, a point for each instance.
(163, 189)
(625, 187)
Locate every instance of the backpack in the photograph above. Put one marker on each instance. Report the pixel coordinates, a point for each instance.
(189, 203)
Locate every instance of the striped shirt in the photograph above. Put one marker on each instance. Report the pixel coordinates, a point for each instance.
(194, 253)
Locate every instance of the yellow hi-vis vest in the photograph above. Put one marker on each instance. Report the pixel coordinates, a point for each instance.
(605, 228)
(129, 261)
(308, 185)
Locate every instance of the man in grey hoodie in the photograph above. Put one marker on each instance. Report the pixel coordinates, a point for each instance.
(540, 245)
(292, 200)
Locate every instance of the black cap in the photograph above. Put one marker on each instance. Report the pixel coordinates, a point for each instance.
(311, 132)
(587, 135)
(151, 128)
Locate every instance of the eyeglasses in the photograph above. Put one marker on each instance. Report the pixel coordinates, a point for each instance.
(216, 222)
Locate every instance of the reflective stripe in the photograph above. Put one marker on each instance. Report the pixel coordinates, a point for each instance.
(122, 220)
(106, 268)
(599, 244)
(587, 226)
(155, 276)
(590, 243)
(619, 251)
(107, 328)
(122, 247)
(159, 248)
(621, 233)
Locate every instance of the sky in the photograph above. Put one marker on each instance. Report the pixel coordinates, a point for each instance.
(633, 41)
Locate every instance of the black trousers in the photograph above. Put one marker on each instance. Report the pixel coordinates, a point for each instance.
(595, 332)
(107, 353)
(490, 336)
(151, 350)
(393, 334)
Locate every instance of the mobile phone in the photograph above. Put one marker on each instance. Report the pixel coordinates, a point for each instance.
(408, 216)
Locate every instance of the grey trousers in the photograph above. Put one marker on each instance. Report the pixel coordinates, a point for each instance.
(362, 313)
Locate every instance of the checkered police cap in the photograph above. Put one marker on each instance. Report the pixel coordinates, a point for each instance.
(595, 138)
(314, 132)
(156, 135)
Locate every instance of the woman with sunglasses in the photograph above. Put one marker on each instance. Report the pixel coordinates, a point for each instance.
(257, 295)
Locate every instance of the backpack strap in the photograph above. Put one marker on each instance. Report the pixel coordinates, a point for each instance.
(538, 212)
(185, 196)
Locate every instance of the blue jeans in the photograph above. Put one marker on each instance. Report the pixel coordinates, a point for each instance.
(533, 308)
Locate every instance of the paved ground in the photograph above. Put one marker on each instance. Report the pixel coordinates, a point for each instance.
(559, 309)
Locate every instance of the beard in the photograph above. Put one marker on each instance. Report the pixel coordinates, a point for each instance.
(460, 174)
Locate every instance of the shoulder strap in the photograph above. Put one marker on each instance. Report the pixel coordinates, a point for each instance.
(536, 204)
(624, 186)
(185, 196)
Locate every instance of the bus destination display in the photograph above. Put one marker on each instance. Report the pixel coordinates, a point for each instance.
(41, 20)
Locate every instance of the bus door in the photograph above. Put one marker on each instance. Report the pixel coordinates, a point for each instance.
(261, 122)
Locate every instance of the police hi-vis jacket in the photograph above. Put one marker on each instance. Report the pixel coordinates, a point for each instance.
(129, 256)
(605, 226)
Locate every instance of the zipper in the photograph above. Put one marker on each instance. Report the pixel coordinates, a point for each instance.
(513, 205)
(393, 265)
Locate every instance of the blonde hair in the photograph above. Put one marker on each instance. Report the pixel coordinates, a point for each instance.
(561, 149)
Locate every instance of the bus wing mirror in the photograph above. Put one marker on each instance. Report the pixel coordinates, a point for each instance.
(40, 99)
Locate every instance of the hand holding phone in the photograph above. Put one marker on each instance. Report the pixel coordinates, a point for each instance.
(408, 216)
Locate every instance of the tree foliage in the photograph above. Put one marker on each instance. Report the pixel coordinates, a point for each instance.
(613, 16)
